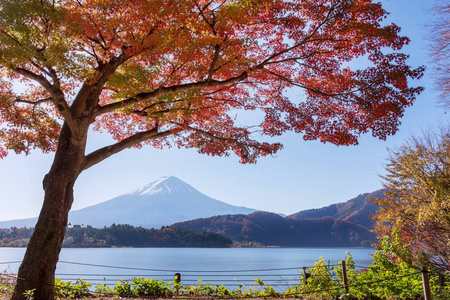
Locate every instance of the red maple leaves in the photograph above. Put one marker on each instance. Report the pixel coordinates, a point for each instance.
(148, 70)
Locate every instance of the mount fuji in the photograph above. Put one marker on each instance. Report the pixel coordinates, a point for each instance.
(163, 202)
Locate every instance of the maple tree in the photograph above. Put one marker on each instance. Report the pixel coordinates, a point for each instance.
(171, 72)
(415, 210)
(440, 38)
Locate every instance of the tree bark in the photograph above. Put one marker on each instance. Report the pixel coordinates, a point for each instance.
(37, 271)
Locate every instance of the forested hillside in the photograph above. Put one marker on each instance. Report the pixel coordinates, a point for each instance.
(270, 229)
(339, 225)
(357, 210)
(122, 236)
(347, 224)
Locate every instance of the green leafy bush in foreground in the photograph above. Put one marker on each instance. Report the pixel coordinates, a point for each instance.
(65, 289)
(388, 277)
(385, 278)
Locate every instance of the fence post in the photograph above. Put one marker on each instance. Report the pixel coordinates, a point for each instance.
(344, 275)
(426, 283)
(177, 280)
(306, 275)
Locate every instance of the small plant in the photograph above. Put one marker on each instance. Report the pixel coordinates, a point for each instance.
(103, 289)
(268, 290)
(320, 281)
(138, 287)
(260, 282)
(177, 284)
(65, 289)
(151, 287)
(199, 289)
(29, 295)
(123, 288)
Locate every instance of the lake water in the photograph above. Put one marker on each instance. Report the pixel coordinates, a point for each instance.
(229, 266)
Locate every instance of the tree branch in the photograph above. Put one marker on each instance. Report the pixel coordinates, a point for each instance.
(316, 91)
(214, 61)
(105, 152)
(48, 99)
(209, 82)
(304, 41)
(55, 92)
(80, 105)
(168, 90)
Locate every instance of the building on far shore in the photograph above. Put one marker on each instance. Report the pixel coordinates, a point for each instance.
(76, 226)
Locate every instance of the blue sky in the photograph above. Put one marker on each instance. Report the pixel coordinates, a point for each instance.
(301, 176)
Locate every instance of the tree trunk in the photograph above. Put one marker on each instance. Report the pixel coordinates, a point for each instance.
(37, 271)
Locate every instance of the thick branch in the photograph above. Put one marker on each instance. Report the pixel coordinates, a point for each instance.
(88, 91)
(56, 82)
(38, 78)
(87, 98)
(55, 92)
(209, 82)
(214, 61)
(168, 90)
(105, 152)
(45, 100)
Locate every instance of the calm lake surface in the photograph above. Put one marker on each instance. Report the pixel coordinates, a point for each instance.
(228, 266)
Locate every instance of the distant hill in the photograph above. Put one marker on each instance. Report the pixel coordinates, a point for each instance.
(357, 210)
(339, 225)
(270, 229)
(160, 203)
(172, 201)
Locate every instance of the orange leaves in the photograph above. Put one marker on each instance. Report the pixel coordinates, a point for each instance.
(284, 44)
(24, 124)
(417, 201)
(220, 136)
(25, 129)
(184, 67)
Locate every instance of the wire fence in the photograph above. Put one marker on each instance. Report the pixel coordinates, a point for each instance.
(280, 279)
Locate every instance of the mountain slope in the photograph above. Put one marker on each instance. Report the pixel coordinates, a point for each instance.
(271, 229)
(339, 225)
(160, 203)
(357, 210)
(19, 223)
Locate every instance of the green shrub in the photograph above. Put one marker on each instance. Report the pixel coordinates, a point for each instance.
(65, 289)
(151, 287)
(388, 277)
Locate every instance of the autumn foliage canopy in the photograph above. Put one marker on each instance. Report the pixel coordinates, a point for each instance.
(177, 72)
(415, 210)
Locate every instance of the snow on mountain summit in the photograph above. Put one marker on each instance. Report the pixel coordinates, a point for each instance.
(164, 185)
(162, 202)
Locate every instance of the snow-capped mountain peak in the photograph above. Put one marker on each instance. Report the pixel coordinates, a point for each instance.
(164, 185)
(163, 202)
